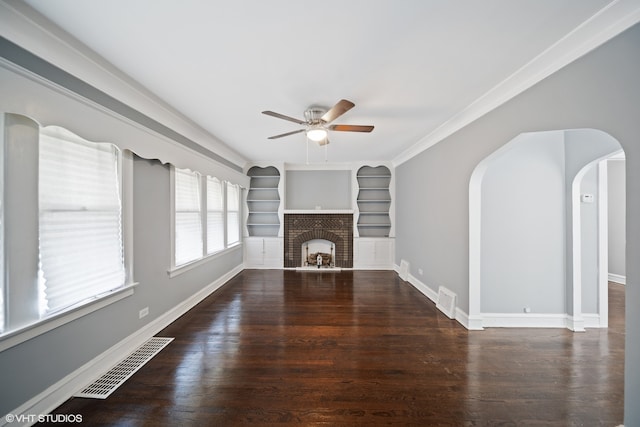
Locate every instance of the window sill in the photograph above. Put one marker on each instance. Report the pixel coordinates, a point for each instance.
(176, 271)
(12, 338)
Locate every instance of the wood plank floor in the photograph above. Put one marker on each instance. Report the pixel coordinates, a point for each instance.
(362, 348)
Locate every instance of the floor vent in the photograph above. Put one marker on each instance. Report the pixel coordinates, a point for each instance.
(109, 382)
(446, 302)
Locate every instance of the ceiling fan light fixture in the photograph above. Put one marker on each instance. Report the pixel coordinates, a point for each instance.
(317, 133)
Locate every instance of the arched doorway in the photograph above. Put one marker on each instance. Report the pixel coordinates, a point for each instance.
(525, 245)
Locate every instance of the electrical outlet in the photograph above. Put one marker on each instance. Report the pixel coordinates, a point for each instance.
(143, 312)
(527, 309)
(420, 271)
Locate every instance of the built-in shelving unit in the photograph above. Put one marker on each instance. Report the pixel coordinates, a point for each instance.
(374, 201)
(263, 201)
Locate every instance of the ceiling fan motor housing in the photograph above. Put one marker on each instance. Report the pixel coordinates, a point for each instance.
(313, 115)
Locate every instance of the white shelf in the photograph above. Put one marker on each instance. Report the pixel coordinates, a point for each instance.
(374, 181)
(263, 218)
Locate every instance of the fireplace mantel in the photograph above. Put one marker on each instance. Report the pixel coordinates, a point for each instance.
(318, 211)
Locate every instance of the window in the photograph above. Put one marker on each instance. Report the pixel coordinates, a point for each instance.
(207, 217)
(80, 217)
(66, 227)
(233, 214)
(188, 219)
(215, 215)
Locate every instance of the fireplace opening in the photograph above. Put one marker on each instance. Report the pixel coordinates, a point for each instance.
(318, 253)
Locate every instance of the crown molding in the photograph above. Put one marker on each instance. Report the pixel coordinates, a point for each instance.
(24, 26)
(610, 21)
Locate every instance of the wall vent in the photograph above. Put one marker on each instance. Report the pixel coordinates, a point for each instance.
(404, 270)
(446, 302)
(109, 382)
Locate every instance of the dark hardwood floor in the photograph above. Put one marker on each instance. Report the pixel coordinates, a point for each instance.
(362, 348)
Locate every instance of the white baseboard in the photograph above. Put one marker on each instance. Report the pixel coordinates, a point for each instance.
(460, 316)
(618, 278)
(592, 320)
(424, 289)
(541, 320)
(61, 391)
(523, 320)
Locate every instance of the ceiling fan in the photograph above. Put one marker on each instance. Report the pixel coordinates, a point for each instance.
(317, 121)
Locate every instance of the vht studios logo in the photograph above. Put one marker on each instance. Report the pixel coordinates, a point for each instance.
(43, 418)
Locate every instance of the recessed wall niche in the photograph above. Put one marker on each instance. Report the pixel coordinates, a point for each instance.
(374, 201)
(263, 202)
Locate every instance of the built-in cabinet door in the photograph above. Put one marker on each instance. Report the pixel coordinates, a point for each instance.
(373, 253)
(273, 253)
(254, 252)
(263, 252)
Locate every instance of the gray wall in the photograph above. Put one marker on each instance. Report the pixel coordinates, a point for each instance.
(29, 368)
(601, 90)
(330, 189)
(589, 240)
(523, 227)
(616, 191)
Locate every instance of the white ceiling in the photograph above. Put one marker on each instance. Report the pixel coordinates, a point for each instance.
(408, 65)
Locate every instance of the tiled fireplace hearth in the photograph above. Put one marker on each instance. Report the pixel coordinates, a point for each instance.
(303, 227)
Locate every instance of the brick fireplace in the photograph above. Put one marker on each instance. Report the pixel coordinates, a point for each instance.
(334, 227)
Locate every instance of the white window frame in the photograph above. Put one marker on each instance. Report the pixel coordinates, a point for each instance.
(175, 270)
(201, 206)
(13, 337)
(208, 231)
(226, 211)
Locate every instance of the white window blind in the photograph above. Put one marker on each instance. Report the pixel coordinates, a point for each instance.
(233, 214)
(215, 215)
(81, 251)
(188, 219)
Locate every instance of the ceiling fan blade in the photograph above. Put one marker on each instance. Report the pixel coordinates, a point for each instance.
(286, 134)
(282, 116)
(351, 128)
(337, 110)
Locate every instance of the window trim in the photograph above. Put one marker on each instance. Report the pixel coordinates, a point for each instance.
(41, 326)
(205, 217)
(46, 324)
(174, 270)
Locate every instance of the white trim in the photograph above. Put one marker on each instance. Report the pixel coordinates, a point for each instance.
(58, 393)
(473, 323)
(127, 213)
(176, 271)
(604, 25)
(577, 323)
(603, 245)
(318, 211)
(145, 145)
(594, 320)
(541, 320)
(25, 333)
(524, 320)
(460, 316)
(617, 278)
(424, 289)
